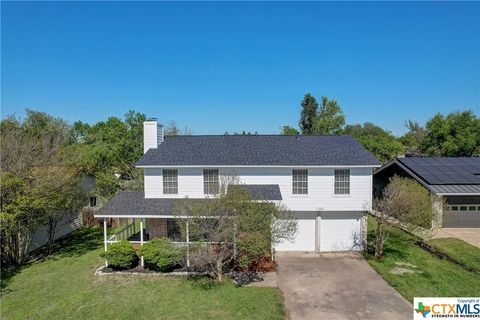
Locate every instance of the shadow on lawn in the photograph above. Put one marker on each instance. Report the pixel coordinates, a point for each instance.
(203, 282)
(77, 243)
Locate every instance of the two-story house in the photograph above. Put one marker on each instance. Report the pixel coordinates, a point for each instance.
(324, 180)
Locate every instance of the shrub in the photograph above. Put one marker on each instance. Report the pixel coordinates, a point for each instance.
(121, 255)
(161, 254)
(250, 247)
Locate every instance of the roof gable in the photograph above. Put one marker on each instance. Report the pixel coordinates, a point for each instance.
(259, 150)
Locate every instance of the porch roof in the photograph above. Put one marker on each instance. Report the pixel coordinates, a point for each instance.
(134, 204)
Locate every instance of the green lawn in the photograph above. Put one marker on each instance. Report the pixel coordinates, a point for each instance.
(433, 277)
(64, 286)
(462, 252)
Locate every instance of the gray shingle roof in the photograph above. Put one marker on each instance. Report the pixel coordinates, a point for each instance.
(128, 203)
(259, 150)
(134, 203)
(263, 191)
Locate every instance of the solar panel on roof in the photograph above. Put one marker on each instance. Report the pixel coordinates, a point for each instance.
(438, 170)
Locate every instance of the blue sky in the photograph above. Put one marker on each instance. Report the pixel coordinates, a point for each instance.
(217, 67)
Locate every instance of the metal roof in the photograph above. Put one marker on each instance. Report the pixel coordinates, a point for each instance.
(258, 150)
(445, 170)
(455, 189)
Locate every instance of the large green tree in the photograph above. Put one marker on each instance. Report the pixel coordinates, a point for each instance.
(110, 146)
(308, 114)
(289, 131)
(330, 118)
(454, 135)
(413, 139)
(39, 183)
(378, 141)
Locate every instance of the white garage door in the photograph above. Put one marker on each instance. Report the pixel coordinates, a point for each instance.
(305, 237)
(340, 231)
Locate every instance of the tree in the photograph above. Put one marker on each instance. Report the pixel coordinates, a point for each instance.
(330, 118)
(376, 140)
(57, 188)
(20, 216)
(216, 222)
(454, 135)
(289, 131)
(413, 138)
(404, 202)
(31, 149)
(173, 130)
(243, 133)
(308, 114)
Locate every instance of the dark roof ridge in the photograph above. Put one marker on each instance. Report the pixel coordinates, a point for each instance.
(259, 135)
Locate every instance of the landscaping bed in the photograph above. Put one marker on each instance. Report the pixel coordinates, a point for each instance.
(416, 272)
(65, 285)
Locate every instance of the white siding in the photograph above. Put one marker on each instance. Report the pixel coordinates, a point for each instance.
(320, 186)
(68, 223)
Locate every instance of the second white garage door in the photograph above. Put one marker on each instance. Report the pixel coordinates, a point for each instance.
(340, 231)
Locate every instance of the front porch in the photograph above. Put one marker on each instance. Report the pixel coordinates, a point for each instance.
(139, 231)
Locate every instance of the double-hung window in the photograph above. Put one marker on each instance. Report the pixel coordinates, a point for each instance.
(300, 181)
(170, 181)
(210, 181)
(342, 182)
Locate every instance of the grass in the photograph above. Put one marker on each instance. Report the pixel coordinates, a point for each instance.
(64, 286)
(432, 277)
(460, 251)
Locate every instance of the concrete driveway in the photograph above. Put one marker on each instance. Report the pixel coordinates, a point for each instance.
(336, 286)
(470, 235)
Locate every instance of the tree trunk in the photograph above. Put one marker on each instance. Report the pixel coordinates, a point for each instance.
(379, 240)
(219, 269)
(52, 230)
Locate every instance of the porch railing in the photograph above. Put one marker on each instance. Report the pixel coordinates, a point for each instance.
(124, 233)
(129, 230)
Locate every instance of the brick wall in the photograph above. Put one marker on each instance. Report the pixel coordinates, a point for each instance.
(157, 228)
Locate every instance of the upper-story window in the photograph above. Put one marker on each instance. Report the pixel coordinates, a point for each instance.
(170, 181)
(300, 181)
(210, 181)
(342, 181)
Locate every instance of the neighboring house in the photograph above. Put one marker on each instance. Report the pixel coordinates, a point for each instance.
(325, 180)
(70, 221)
(454, 182)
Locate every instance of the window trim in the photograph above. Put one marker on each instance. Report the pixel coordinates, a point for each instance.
(343, 195)
(163, 181)
(293, 187)
(204, 182)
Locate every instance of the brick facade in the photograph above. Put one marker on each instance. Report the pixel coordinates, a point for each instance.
(157, 228)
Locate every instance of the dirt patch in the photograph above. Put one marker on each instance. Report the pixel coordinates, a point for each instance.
(404, 267)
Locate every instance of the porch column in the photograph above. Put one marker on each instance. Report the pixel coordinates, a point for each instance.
(141, 241)
(105, 237)
(188, 244)
(234, 240)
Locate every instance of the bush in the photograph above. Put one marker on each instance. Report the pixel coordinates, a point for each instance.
(121, 255)
(250, 247)
(161, 254)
